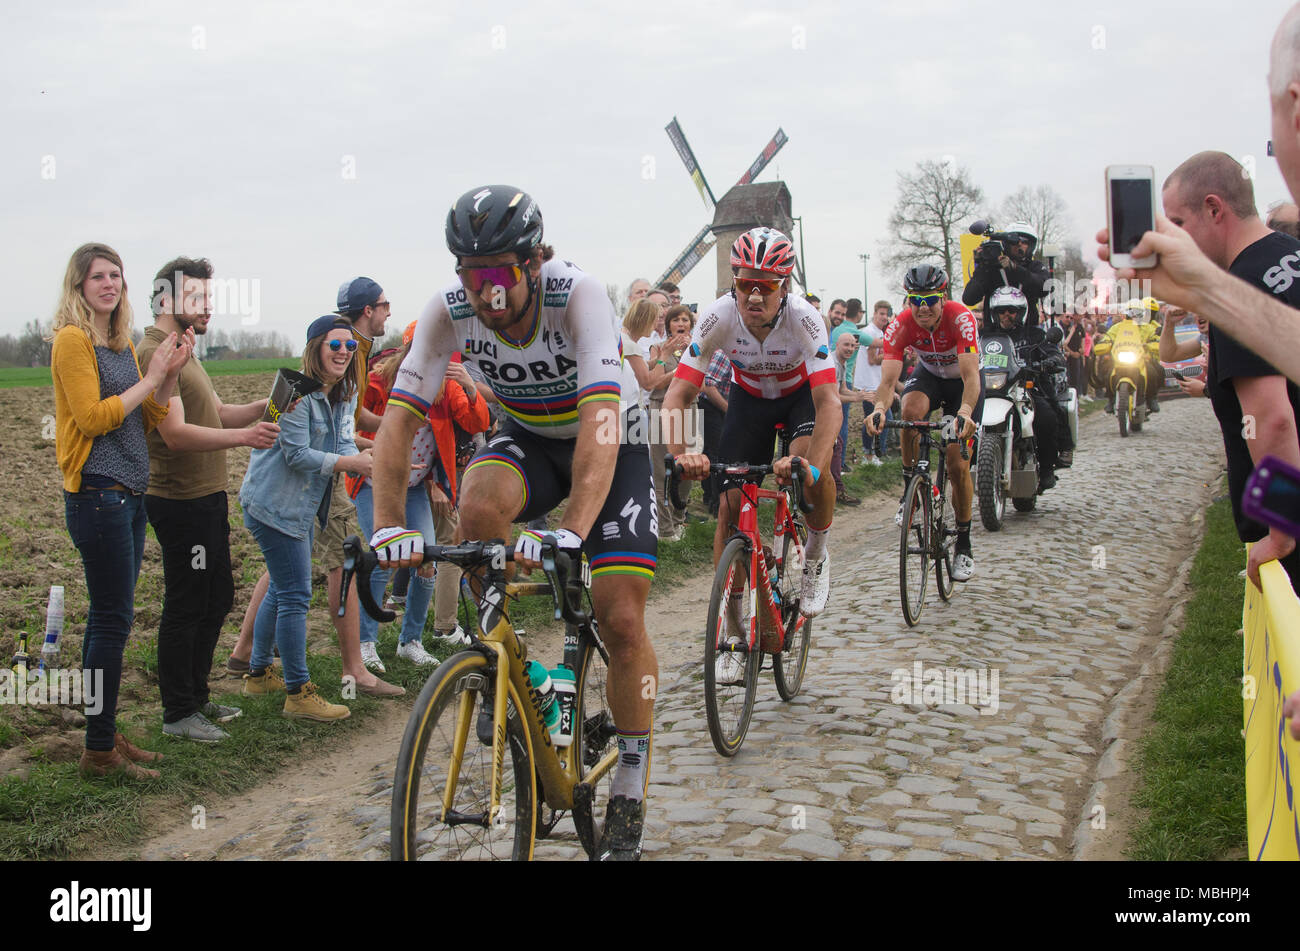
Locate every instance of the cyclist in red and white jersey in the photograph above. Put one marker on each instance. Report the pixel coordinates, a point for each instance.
(782, 372)
(943, 336)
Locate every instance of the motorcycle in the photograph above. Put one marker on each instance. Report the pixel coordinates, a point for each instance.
(1006, 458)
(1128, 375)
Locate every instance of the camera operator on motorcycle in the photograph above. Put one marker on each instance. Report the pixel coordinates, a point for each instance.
(1007, 309)
(1140, 312)
(942, 334)
(1007, 260)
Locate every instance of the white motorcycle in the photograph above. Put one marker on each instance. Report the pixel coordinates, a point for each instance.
(1006, 463)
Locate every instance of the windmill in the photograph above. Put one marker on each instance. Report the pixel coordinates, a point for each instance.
(746, 205)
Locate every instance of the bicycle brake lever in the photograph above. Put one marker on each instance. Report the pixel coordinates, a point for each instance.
(673, 480)
(796, 470)
(358, 561)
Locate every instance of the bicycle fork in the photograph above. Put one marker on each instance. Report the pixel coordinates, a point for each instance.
(464, 721)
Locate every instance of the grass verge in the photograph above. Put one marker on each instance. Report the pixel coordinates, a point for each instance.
(1191, 769)
(54, 813)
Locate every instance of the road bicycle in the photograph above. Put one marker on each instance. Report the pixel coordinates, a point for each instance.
(454, 795)
(929, 528)
(768, 581)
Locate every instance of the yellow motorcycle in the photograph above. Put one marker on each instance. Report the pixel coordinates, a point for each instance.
(1125, 360)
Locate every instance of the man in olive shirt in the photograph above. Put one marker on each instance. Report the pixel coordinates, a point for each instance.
(186, 504)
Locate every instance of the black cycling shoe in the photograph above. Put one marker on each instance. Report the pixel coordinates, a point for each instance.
(1110, 406)
(1065, 459)
(621, 839)
(1153, 407)
(1045, 482)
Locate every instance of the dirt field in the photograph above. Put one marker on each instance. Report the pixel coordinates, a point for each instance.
(36, 552)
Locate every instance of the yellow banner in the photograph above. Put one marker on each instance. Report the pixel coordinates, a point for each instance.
(1271, 622)
(969, 242)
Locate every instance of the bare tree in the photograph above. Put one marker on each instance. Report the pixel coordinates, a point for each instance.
(1045, 211)
(933, 203)
(614, 298)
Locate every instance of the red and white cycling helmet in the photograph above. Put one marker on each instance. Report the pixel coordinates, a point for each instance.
(763, 249)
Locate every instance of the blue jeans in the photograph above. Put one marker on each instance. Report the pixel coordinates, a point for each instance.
(844, 429)
(874, 445)
(107, 526)
(419, 518)
(282, 618)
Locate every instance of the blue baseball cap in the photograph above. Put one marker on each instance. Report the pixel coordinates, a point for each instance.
(358, 294)
(323, 325)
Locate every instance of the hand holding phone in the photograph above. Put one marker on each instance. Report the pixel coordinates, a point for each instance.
(1130, 212)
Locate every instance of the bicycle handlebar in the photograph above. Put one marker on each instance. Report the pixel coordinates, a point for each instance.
(929, 427)
(557, 565)
(755, 473)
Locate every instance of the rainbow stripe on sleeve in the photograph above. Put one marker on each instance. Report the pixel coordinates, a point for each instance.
(409, 402)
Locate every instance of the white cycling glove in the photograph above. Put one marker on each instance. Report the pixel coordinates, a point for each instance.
(530, 543)
(396, 545)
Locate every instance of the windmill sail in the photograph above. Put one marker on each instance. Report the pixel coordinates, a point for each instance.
(764, 157)
(700, 245)
(683, 148)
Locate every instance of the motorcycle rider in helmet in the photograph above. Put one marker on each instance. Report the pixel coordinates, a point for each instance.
(1006, 314)
(1140, 312)
(1020, 270)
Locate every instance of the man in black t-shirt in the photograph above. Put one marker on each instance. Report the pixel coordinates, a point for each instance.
(1211, 197)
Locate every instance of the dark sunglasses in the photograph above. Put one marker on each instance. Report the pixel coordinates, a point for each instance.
(337, 345)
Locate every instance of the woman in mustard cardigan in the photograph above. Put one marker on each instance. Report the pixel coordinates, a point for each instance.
(102, 410)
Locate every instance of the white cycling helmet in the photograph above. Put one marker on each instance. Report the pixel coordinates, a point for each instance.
(1025, 229)
(1005, 297)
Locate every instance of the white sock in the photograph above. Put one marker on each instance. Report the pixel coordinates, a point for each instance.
(816, 546)
(633, 760)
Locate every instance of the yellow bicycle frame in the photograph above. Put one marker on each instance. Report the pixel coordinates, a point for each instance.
(558, 767)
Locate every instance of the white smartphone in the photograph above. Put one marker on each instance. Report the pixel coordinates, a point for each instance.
(1130, 212)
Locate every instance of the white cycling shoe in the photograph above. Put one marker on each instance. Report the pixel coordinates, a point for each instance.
(816, 586)
(728, 668)
(963, 566)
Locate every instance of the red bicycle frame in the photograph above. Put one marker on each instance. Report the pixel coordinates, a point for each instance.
(747, 525)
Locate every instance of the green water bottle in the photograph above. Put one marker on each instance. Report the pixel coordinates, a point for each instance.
(540, 680)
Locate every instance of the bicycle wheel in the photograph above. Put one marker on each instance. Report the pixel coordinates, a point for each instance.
(788, 666)
(728, 707)
(597, 734)
(942, 538)
(453, 701)
(914, 548)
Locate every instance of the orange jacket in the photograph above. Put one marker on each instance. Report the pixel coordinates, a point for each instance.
(453, 404)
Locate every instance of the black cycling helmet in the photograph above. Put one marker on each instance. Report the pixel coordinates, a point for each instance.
(494, 219)
(925, 277)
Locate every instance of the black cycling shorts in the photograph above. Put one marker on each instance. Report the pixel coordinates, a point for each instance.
(749, 428)
(945, 394)
(625, 537)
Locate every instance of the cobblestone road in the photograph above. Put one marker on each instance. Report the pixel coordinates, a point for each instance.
(843, 771)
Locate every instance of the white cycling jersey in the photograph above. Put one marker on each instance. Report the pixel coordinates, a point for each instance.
(572, 356)
(795, 352)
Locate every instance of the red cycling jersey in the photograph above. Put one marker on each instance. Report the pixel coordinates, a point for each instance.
(938, 349)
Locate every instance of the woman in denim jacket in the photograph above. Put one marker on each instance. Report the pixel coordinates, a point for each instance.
(285, 495)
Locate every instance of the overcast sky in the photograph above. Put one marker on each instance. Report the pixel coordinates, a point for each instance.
(297, 145)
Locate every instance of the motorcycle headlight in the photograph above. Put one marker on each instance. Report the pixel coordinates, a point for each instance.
(1127, 357)
(995, 379)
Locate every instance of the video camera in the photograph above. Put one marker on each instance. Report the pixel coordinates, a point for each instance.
(995, 246)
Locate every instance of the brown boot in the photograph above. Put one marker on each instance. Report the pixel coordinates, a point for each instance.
(96, 763)
(133, 752)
